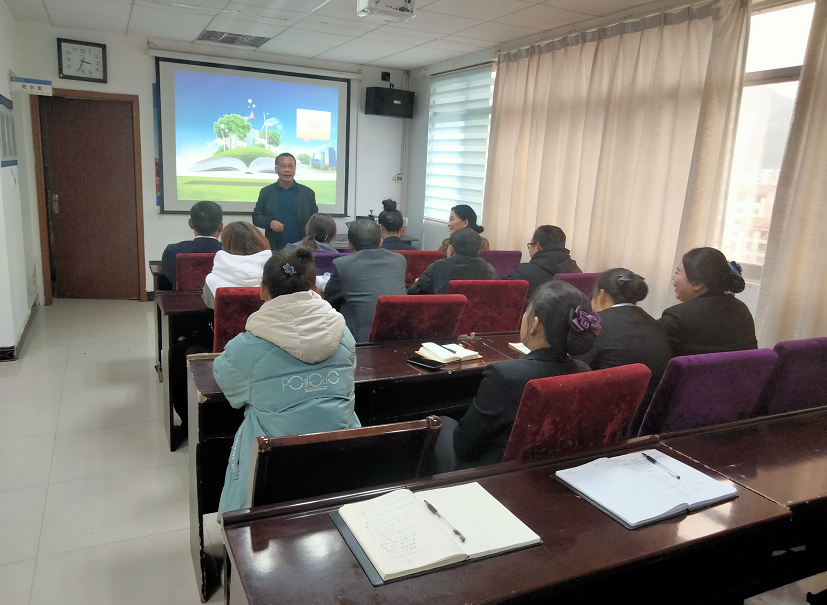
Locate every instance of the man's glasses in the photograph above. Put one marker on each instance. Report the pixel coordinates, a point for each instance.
(530, 244)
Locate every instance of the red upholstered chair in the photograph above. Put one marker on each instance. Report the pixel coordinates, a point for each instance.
(493, 306)
(582, 281)
(504, 261)
(416, 317)
(418, 261)
(232, 308)
(576, 413)
(191, 270)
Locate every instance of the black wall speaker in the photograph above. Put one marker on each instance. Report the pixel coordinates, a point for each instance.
(389, 102)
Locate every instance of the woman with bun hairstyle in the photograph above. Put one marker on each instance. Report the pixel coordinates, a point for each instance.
(320, 232)
(709, 319)
(462, 216)
(240, 261)
(628, 333)
(391, 224)
(294, 344)
(556, 325)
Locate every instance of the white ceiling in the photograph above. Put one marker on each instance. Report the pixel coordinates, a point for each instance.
(442, 29)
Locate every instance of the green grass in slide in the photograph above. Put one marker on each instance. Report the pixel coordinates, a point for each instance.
(245, 154)
(220, 189)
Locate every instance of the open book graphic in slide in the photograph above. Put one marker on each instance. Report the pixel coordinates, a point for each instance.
(397, 535)
(644, 487)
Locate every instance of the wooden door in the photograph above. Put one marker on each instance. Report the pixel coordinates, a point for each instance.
(89, 174)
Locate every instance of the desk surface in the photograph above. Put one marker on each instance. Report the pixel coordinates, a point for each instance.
(301, 557)
(155, 268)
(378, 362)
(179, 303)
(784, 459)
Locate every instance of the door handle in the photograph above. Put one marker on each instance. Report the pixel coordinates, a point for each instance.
(54, 203)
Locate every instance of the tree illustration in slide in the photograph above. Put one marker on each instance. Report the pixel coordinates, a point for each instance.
(304, 159)
(233, 124)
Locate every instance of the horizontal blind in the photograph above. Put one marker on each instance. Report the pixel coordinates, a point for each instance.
(459, 121)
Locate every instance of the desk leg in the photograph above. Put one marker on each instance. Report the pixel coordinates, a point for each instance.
(159, 366)
(172, 388)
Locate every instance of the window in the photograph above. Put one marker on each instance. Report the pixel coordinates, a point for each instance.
(777, 41)
(459, 122)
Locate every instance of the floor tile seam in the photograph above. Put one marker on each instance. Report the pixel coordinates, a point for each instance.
(108, 426)
(74, 550)
(134, 470)
(2, 565)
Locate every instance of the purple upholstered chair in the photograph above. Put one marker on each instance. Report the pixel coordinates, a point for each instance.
(799, 381)
(582, 281)
(324, 261)
(504, 261)
(703, 390)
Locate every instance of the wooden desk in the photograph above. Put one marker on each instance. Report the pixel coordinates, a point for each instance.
(185, 320)
(293, 553)
(159, 283)
(783, 458)
(388, 389)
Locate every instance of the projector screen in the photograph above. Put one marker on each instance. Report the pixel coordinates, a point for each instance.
(222, 128)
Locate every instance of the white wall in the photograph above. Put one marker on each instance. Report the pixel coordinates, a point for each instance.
(417, 156)
(132, 71)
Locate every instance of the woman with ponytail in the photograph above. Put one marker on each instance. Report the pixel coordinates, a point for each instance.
(556, 325)
(463, 216)
(709, 319)
(294, 344)
(628, 333)
(319, 234)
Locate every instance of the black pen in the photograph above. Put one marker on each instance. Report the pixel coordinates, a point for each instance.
(436, 512)
(655, 462)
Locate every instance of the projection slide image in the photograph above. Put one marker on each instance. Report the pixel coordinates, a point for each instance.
(229, 130)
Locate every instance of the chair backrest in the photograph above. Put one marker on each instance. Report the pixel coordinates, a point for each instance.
(704, 390)
(324, 261)
(582, 281)
(799, 380)
(191, 270)
(504, 261)
(418, 261)
(416, 317)
(576, 413)
(304, 466)
(493, 306)
(232, 308)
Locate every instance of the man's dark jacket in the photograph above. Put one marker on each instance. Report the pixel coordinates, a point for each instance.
(543, 267)
(436, 277)
(265, 211)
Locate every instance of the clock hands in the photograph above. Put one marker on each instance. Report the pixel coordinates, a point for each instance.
(82, 61)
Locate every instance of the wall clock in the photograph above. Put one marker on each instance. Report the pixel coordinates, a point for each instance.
(81, 60)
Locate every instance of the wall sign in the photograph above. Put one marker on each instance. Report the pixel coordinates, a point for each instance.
(31, 87)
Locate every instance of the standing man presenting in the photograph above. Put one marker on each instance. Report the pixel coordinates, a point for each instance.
(284, 207)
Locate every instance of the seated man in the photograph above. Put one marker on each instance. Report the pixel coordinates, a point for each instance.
(360, 278)
(463, 262)
(206, 222)
(549, 256)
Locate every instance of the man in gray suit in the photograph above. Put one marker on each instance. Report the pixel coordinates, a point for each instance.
(359, 279)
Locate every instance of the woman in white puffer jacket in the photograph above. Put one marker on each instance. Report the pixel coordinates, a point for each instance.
(241, 261)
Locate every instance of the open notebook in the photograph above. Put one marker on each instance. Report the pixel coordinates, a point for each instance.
(396, 535)
(636, 492)
(447, 353)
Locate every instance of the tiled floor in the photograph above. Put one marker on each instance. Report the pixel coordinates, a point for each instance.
(94, 506)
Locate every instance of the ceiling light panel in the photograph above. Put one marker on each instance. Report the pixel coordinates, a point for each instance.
(98, 15)
(289, 48)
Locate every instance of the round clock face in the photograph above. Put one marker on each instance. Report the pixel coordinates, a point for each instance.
(82, 61)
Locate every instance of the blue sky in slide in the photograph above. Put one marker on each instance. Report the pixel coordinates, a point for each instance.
(202, 98)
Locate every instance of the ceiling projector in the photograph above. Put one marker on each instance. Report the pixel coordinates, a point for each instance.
(385, 10)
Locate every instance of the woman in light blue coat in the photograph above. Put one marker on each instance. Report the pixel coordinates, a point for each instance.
(291, 371)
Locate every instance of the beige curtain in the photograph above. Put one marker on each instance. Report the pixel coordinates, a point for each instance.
(792, 302)
(622, 137)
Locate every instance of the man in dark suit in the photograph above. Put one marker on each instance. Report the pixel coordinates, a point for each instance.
(463, 262)
(549, 257)
(206, 222)
(359, 279)
(284, 207)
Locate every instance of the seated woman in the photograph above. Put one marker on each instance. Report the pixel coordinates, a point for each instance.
(462, 216)
(391, 224)
(295, 339)
(709, 319)
(628, 334)
(548, 329)
(239, 263)
(320, 232)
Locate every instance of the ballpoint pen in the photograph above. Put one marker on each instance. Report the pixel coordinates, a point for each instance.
(436, 512)
(655, 462)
